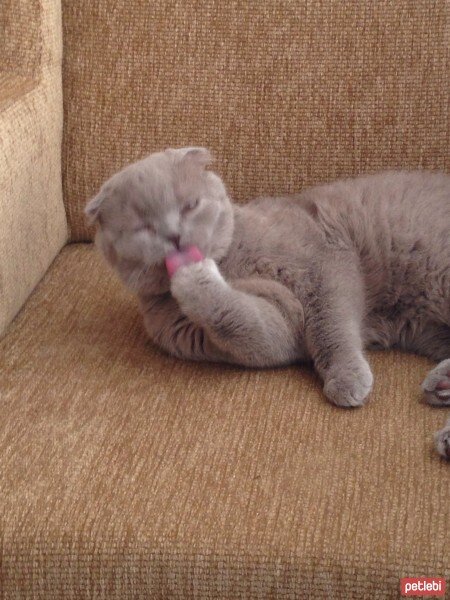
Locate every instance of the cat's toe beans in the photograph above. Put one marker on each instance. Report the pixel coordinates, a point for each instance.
(444, 384)
(436, 385)
(442, 442)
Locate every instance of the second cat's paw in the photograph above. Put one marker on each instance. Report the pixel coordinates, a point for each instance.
(349, 385)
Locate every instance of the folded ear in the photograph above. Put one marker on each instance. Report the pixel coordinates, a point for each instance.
(193, 157)
(92, 208)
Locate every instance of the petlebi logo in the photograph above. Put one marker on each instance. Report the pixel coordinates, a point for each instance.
(422, 586)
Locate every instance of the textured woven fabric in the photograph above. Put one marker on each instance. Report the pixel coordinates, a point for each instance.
(129, 474)
(13, 87)
(286, 93)
(32, 217)
(21, 41)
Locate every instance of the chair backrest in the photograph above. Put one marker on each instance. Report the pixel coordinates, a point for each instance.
(286, 93)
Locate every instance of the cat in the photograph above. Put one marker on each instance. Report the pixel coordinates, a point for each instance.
(317, 276)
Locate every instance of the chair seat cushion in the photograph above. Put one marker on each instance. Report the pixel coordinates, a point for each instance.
(127, 473)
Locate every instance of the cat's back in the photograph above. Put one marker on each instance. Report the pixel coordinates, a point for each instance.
(392, 205)
(375, 213)
(392, 195)
(399, 223)
(393, 190)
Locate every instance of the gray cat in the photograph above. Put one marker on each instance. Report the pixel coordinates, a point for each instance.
(359, 263)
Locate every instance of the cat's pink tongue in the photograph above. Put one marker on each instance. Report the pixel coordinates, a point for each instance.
(178, 259)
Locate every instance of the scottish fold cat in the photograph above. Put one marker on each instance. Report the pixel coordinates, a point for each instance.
(317, 276)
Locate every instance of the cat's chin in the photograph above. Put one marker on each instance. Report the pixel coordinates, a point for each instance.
(150, 284)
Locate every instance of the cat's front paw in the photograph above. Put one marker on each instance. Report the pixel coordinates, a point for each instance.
(196, 286)
(349, 385)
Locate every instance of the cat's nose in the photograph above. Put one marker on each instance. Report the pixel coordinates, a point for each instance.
(175, 239)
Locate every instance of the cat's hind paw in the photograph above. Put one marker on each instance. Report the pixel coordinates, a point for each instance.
(442, 441)
(436, 385)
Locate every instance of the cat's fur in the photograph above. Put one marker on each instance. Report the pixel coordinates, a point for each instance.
(316, 276)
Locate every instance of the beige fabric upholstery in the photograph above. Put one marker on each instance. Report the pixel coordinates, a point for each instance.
(13, 87)
(21, 43)
(125, 473)
(129, 474)
(286, 93)
(32, 217)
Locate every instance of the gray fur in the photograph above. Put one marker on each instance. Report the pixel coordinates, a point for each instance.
(317, 276)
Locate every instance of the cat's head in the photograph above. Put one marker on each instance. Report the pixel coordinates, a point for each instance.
(156, 205)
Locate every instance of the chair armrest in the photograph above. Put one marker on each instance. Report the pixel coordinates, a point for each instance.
(33, 225)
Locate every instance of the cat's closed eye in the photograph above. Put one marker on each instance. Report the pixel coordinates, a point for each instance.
(143, 227)
(190, 206)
